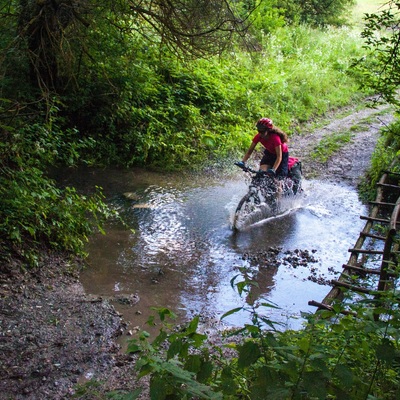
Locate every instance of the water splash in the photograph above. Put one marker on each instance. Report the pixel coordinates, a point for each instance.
(265, 211)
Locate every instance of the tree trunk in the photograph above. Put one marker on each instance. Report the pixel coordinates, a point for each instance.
(42, 24)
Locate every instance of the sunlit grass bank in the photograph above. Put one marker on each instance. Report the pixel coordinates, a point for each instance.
(363, 7)
(300, 75)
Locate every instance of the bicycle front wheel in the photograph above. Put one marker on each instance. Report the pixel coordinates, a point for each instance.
(247, 207)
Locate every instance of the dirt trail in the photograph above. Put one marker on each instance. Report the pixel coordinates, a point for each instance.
(349, 163)
(53, 335)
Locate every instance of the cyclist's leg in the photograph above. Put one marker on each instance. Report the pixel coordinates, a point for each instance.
(296, 176)
(267, 161)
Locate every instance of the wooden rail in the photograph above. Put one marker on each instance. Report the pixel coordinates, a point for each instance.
(359, 255)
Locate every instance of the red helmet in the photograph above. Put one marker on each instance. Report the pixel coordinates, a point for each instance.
(263, 124)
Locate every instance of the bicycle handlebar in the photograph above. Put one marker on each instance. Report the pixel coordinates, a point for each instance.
(248, 169)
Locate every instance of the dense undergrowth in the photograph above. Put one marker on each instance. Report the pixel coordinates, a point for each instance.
(356, 356)
(384, 158)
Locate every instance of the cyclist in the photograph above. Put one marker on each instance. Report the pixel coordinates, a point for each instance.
(276, 153)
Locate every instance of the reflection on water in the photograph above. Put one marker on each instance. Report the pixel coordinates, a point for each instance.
(183, 253)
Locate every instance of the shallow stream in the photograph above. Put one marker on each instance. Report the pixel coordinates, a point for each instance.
(183, 252)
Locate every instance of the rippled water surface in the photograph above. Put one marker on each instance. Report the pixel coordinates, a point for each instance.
(183, 252)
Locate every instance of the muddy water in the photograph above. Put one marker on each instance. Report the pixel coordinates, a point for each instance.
(183, 253)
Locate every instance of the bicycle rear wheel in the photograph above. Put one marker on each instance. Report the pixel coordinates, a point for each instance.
(245, 209)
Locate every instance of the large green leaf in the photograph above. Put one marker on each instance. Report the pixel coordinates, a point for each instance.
(249, 353)
(186, 378)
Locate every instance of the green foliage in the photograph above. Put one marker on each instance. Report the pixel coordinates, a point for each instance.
(272, 14)
(184, 371)
(385, 157)
(35, 214)
(137, 104)
(380, 69)
(318, 12)
(172, 115)
(351, 357)
(330, 144)
(266, 17)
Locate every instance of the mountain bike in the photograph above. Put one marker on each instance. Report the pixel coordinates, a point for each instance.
(265, 194)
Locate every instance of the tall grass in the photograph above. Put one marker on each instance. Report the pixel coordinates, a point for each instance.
(306, 73)
(301, 74)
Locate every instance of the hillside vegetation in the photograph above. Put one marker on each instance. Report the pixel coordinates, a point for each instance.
(176, 84)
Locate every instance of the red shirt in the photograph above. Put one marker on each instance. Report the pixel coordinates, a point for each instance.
(271, 141)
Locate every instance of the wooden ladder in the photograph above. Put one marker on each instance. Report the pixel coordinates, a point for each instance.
(387, 256)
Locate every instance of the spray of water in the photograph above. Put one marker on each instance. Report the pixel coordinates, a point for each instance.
(268, 205)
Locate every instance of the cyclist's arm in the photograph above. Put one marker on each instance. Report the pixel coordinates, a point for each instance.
(278, 151)
(250, 151)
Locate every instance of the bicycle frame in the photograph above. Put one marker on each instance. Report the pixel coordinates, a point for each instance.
(265, 186)
(262, 183)
(264, 194)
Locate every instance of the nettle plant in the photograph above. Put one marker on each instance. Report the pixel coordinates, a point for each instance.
(36, 213)
(353, 357)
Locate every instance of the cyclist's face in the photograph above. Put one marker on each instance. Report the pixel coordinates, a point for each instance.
(263, 133)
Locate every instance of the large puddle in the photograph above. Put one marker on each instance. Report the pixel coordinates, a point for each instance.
(183, 253)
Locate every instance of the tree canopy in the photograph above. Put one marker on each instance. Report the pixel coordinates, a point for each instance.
(55, 37)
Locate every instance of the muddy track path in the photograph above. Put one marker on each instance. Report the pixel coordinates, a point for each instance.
(52, 334)
(351, 161)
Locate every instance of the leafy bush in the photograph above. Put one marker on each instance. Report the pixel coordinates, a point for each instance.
(138, 107)
(272, 14)
(320, 12)
(35, 214)
(379, 69)
(353, 357)
(385, 157)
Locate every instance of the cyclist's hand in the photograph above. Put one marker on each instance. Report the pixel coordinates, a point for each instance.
(240, 164)
(271, 172)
